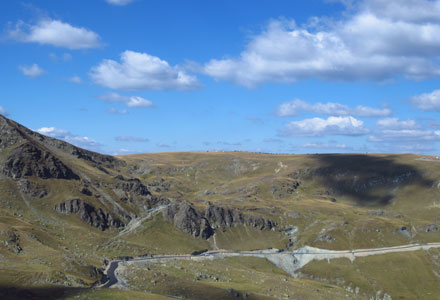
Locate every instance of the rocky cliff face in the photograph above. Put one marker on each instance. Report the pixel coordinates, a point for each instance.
(133, 191)
(203, 224)
(30, 160)
(188, 220)
(13, 134)
(89, 214)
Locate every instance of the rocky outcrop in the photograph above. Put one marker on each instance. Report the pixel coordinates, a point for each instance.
(11, 241)
(89, 214)
(282, 189)
(134, 191)
(189, 220)
(222, 218)
(30, 160)
(30, 188)
(13, 134)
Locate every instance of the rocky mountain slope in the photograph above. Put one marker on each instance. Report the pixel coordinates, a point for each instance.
(65, 211)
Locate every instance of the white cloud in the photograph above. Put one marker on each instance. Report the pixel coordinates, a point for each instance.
(53, 132)
(403, 136)
(3, 111)
(75, 79)
(405, 10)
(130, 139)
(116, 111)
(371, 43)
(329, 126)
(80, 141)
(141, 71)
(119, 2)
(395, 123)
(139, 102)
(133, 101)
(55, 33)
(295, 106)
(427, 101)
(406, 134)
(32, 71)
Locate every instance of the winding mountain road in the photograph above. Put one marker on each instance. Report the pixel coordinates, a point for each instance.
(289, 261)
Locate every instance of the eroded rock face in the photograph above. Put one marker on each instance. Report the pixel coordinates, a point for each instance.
(29, 160)
(134, 191)
(221, 217)
(187, 219)
(88, 213)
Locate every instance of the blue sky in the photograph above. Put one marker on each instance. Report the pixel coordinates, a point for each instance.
(121, 76)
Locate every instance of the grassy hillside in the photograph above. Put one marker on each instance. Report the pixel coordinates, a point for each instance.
(62, 217)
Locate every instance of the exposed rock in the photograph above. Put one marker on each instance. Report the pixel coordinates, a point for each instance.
(27, 187)
(29, 160)
(134, 191)
(11, 240)
(281, 189)
(88, 213)
(403, 230)
(325, 237)
(431, 228)
(221, 217)
(86, 191)
(13, 134)
(187, 219)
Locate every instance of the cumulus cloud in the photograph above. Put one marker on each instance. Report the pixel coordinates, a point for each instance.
(404, 10)
(119, 2)
(80, 141)
(403, 135)
(296, 106)
(75, 79)
(32, 71)
(428, 101)
(321, 127)
(133, 101)
(395, 123)
(55, 33)
(377, 41)
(141, 71)
(135, 139)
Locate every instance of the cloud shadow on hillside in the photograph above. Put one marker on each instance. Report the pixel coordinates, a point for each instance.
(368, 179)
(34, 293)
